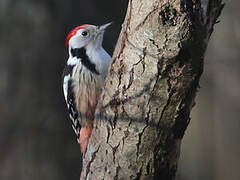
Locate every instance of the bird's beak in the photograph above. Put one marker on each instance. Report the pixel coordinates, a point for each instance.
(104, 26)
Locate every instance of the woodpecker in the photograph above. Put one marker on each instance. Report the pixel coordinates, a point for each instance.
(83, 77)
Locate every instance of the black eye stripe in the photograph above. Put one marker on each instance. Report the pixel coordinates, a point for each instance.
(84, 33)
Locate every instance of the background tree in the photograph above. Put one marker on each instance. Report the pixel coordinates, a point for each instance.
(150, 91)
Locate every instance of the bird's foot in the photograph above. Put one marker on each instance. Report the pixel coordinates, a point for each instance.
(85, 134)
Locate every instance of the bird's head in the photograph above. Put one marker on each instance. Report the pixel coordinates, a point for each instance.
(86, 34)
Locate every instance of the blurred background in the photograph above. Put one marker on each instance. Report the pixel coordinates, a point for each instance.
(211, 145)
(36, 140)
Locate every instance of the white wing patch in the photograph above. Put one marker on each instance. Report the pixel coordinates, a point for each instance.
(65, 86)
(73, 61)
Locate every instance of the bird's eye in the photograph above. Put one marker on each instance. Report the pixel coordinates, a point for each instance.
(84, 33)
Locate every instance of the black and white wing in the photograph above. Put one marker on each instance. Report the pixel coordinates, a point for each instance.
(69, 98)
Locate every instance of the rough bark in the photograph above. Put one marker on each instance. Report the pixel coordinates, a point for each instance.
(150, 91)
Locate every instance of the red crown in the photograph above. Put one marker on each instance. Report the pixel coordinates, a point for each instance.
(73, 32)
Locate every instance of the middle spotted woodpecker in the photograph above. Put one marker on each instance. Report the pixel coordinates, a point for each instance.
(83, 77)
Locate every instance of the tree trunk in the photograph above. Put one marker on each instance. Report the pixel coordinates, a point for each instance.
(150, 90)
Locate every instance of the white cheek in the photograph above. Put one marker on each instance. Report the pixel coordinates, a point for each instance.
(77, 42)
